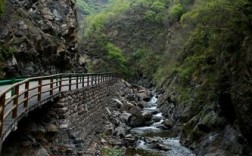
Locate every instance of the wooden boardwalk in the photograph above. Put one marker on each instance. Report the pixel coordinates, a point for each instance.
(17, 100)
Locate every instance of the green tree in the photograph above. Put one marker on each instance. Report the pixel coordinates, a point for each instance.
(150, 15)
(176, 11)
(2, 5)
(218, 38)
(157, 6)
(116, 58)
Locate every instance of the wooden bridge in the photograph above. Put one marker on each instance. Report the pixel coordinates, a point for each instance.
(17, 100)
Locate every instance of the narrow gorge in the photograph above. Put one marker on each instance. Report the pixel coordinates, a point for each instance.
(183, 72)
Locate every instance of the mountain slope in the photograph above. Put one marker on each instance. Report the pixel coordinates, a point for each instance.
(198, 53)
(87, 7)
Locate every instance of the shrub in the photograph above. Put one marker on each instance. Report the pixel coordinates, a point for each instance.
(2, 4)
(158, 6)
(116, 58)
(111, 151)
(150, 15)
(176, 11)
(6, 53)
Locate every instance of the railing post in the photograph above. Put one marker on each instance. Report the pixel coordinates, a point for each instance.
(82, 80)
(51, 86)
(57, 80)
(92, 80)
(77, 82)
(95, 76)
(60, 83)
(2, 105)
(87, 80)
(15, 103)
(26, 95)
(70, 82)
(39, 89)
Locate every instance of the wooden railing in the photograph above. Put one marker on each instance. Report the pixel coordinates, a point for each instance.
(20, 98)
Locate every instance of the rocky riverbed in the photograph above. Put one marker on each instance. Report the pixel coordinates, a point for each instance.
(136, 127)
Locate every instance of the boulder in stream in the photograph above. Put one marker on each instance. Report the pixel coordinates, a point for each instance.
(168, 123)
(140, 119)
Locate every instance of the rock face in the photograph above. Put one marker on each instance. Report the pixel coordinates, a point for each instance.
(217, 126)
(39, 37)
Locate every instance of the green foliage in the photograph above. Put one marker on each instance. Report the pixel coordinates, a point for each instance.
(115, 53)
(150, 15)
(215, 42)
(158, 6)
(176, 11)
(97, 21)
(111, 56)
(145, 61)
(155, 11)
(163, 71)
(111, 151)
(100, 34)
(187, 4)
(6, 52)
(116, 58)
(2, 5)
(118, 6)
(88, 7)
(208, 28)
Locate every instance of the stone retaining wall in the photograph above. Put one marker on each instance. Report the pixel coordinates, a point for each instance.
(81, 112)
(65, 126)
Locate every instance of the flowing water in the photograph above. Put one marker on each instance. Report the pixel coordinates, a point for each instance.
(155, 141)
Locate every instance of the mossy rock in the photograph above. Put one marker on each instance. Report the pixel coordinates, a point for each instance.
(210, 120)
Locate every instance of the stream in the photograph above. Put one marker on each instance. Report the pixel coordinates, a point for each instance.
(155, 141)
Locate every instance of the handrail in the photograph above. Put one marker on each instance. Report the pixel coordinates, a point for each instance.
(35, 91)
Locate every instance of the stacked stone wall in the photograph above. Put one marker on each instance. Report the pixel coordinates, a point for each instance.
(82, 112)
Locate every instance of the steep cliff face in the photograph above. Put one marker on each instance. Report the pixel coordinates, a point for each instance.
(208, 95)
(38, 37)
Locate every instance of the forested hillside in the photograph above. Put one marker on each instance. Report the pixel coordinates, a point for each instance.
(198, 53)
(140, 29)
(88, 7)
